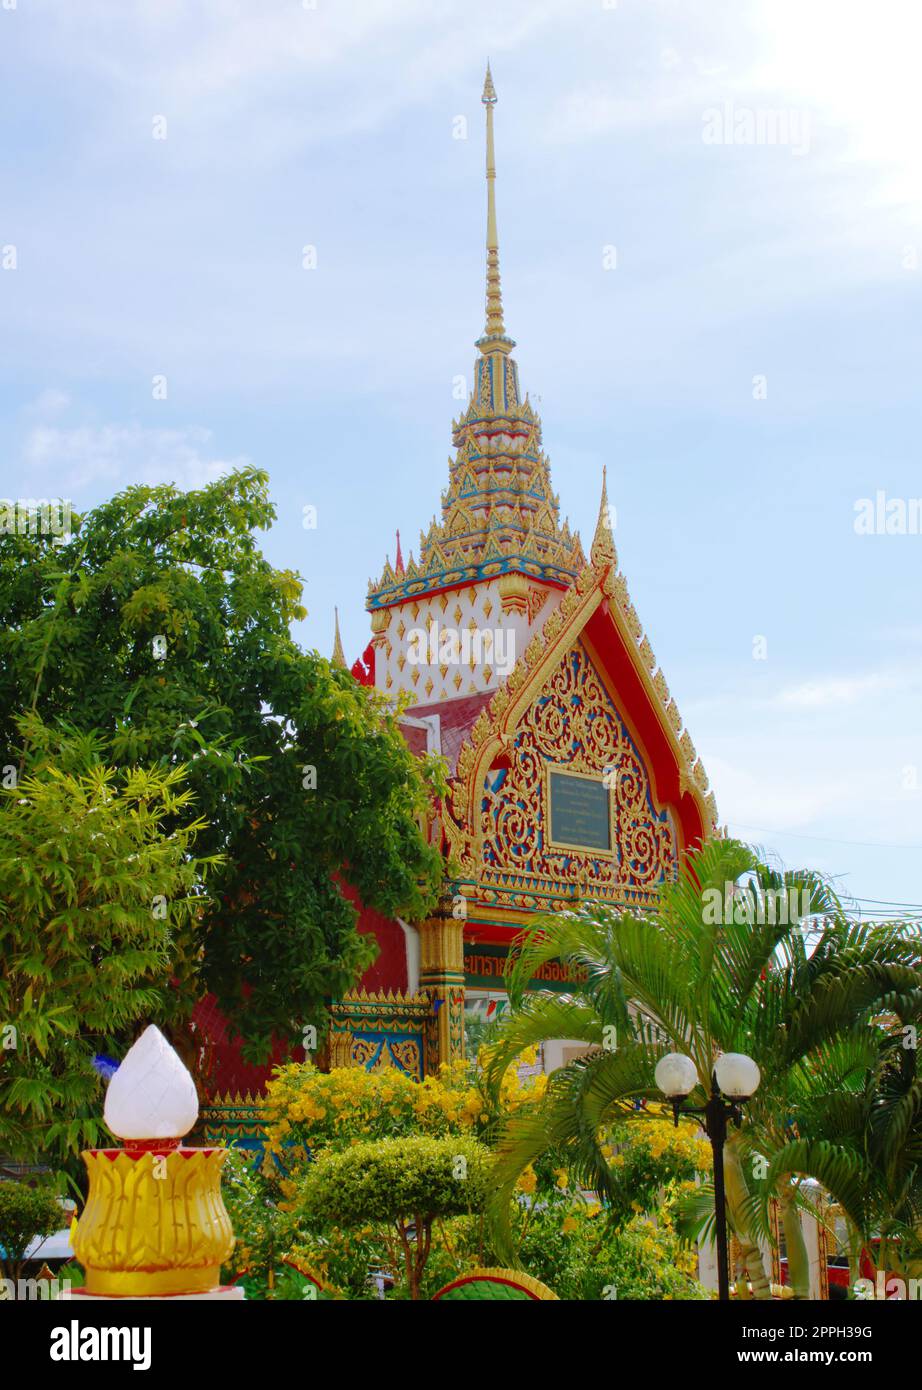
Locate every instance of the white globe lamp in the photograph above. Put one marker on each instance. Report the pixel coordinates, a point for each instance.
(676, 1075)
(737, 1075)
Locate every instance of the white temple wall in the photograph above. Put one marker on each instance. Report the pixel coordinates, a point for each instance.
(456, 643)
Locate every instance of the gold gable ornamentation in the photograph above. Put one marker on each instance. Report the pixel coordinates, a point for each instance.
(500, 716)
(574, 724)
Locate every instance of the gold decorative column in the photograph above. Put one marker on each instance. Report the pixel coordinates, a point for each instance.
(340, 1048)
(441, 976)
(154, 1224)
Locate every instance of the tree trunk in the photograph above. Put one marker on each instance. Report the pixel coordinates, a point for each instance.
(854, 1254)
(423, 1241)
(798, 1260)
(749, 1249)
(408, 1261)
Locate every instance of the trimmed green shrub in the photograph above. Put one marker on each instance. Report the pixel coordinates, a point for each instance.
(403, 1183)
(25, 1212)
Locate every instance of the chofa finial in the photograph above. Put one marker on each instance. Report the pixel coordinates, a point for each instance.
(339, 657)
(602, 551)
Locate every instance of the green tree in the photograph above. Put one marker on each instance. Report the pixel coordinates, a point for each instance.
(161, 626)
(405, 1184)
(98, 895)
(694, 980)
(25, 1212)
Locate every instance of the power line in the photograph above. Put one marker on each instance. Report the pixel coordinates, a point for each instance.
(885, 902)
(827, 839)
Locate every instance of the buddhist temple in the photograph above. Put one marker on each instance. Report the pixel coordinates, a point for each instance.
(572, 777)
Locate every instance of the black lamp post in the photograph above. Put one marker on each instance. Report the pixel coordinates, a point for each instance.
(734, 1079)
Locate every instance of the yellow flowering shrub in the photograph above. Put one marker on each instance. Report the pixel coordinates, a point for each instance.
(309, 1111)
(630, 1248)
(652, 1162)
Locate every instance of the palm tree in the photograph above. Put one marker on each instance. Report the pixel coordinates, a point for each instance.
(724, 965)
(863, 1143)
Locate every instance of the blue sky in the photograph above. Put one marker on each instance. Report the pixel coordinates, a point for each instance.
(336, 126)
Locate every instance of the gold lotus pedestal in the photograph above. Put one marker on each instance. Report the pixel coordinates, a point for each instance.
(154, 1224)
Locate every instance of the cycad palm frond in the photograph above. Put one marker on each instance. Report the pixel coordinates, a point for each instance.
(581, 1099)
(837, 1167)
(541, 1018)
(696, 978)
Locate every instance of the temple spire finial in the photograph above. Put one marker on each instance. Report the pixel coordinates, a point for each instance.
(602, 551)
(338, 658)
(495, 328)
(399, 570)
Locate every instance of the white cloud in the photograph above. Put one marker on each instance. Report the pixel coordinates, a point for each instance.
(858, 66)
(772, 794)
(50, 402)
(835, 690)
(128, 454)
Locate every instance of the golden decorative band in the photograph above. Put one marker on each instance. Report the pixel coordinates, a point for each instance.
(127, 1283)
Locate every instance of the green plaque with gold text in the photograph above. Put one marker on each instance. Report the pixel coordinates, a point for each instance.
(579, 811)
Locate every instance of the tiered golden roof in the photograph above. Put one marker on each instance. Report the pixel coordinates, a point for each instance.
(499, 512)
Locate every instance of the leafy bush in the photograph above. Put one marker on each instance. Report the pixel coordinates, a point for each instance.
(392, 1179)
(310, 1111)
(262, 1226)
(629, 1248)
(582, 1253)
(574, 1246)
(25, 1212)
(402, 1183)
(652, 1161)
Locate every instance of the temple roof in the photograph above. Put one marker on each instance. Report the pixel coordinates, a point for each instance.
(499, 511)
(456, 720)
(500, 516)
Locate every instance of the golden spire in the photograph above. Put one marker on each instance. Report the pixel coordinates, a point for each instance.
(494, 326)
(338, 658)
(603, 550)
(499, 505)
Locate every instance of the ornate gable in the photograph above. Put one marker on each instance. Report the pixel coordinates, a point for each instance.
(573, 723)
(585, 699)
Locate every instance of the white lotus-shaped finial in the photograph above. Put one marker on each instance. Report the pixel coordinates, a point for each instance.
(152, 1095)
